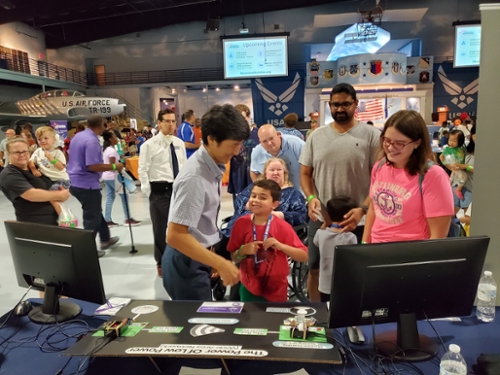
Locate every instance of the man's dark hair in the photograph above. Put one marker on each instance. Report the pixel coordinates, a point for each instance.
(188, 114)
(339, 206)
(444, 123)
(344, 88)
(165, 111)
(271, 186)
(460, 136)
(28, 126)
(224, 123)
(95, 121)
(468, 121)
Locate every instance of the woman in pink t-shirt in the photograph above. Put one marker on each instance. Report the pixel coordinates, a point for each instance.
(401, 209)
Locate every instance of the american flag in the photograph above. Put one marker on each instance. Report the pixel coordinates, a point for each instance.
(370, 110)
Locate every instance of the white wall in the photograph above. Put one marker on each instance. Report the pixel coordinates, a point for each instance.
(199, 101)
(20, 36)
(72, 57)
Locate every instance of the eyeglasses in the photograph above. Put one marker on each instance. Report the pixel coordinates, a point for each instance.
(19, 153)
(397, 145)
(344, 105)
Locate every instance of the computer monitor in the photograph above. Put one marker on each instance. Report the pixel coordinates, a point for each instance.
(404, 282)
(58, 261)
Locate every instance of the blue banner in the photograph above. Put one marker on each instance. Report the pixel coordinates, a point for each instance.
(61, 128)
(456, 88)
(274, 98)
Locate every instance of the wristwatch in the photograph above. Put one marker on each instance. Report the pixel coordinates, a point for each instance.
(365, 208)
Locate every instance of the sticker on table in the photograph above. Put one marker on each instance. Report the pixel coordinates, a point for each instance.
(139, 324)
(302, 310)
(302, 345)
(280, 310)
(145, 309)
(251, 331)
(199, 350)
(220, 321)
(205, 329)
(221, 307)
(159, 329)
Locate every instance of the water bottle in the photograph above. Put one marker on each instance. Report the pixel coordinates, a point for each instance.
(486, 295)
(453, 362)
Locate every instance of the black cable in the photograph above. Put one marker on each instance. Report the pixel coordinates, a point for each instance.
(96, 348)
(436, 332)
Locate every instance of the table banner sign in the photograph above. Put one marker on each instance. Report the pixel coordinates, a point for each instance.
(221, 307)
(221, 321)
(166, 329)
(200, 350)
(302, 345)
(250, 331)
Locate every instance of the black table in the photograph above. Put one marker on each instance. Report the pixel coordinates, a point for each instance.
(177, 314)
(23, 356)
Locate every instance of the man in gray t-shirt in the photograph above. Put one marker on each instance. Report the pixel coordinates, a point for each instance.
(337, 160)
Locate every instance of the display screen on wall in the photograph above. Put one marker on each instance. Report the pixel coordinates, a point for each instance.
(255, 57)
(467, 46)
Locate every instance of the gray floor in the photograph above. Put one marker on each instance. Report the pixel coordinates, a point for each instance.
(124, 275)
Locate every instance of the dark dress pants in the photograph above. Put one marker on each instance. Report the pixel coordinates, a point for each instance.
(159, 206)
(91, 201)
(185, 279)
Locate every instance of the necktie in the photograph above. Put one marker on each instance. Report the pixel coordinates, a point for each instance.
(175, 162)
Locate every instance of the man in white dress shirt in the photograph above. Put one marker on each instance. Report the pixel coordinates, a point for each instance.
(160, 160)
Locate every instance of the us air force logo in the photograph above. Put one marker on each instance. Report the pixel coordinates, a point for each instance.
(277, 103)
(462, 96)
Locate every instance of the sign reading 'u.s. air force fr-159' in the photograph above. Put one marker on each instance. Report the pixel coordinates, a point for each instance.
(60, 105)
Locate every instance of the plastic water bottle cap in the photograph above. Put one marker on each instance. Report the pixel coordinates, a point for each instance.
(487, 273)
(454, 348)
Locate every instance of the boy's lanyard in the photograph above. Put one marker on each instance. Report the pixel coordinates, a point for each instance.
(336, 226)
(266, 234)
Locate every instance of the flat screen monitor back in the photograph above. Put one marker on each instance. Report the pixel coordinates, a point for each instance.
(388, 282)
(59, 261)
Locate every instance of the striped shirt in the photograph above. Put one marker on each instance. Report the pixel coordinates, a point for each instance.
(196, 197)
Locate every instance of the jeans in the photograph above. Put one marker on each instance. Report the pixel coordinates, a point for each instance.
(92, 211)
(110, 198)
(185, 279)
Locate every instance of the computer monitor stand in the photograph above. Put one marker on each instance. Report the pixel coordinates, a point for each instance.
(54, 310)
(406, 344)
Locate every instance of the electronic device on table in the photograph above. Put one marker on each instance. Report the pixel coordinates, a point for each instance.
(58, 261)
(404, 282)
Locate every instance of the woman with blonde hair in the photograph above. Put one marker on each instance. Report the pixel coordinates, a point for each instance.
(292, 206)
(411, 197)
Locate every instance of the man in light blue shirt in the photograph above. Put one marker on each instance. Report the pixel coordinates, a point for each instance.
(186, 133)
(194, 209)
(275, 144)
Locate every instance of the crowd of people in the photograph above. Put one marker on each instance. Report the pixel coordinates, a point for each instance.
(349, 182)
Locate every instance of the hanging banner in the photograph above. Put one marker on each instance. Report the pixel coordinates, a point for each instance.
(457, 88)
(61, 128)
(274, 98)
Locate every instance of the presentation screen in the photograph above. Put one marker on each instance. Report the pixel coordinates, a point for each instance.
(255, 57)
(467, 45)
